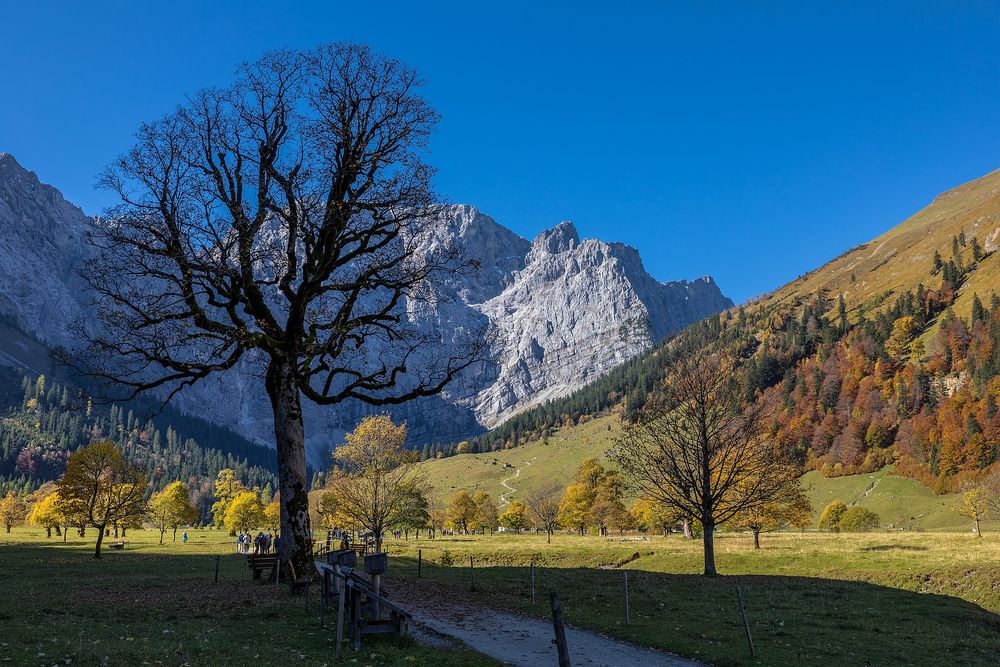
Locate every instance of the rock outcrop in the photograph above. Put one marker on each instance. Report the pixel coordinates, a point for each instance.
(564, 310)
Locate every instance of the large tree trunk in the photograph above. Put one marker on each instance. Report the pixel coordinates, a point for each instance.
(289, 438)
(161, 535)
(687, 528)
(708, 540)
(100, 539)
(756, 538)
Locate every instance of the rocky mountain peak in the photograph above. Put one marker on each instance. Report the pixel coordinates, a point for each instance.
(561, 238)
(563, 311)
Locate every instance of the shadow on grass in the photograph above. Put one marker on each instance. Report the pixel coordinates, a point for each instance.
(143, 606)
(793, 619)
(895, 547)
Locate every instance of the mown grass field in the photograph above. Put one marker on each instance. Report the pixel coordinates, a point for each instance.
(887, 598)
(159, 605)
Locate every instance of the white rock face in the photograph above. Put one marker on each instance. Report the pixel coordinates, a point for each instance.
(41, 252)
(564, 311)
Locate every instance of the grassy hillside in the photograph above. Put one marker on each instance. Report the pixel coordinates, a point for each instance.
(899, 501)
(900, 259)
(539, 461)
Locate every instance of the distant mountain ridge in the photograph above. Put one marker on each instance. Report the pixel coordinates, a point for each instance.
(565, 311)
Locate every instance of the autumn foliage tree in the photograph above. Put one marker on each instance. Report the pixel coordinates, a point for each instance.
(104, 487)
(790, 509)
(379, 477)
(461, 511)
(172, 508)
(12, 511)
(280, 221)
(245, 513)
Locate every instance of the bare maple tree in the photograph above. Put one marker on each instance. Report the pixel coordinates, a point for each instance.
(543, 504)
(698, 446)
(282, 220)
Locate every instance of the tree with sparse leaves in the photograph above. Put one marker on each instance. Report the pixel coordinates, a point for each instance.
(699, 446)
(543, 506)
(280, 221)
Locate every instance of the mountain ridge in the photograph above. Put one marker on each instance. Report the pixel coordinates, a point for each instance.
(565, 309)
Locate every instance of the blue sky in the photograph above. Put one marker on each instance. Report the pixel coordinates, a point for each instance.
(749, 141)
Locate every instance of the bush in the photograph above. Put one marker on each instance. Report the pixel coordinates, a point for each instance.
(829, 518)
(858, 520)
(447, 560)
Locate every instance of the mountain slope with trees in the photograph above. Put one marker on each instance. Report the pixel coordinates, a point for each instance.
(888, 354)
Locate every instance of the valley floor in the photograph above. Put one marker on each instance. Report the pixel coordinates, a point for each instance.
(885, 598)
(888, 598)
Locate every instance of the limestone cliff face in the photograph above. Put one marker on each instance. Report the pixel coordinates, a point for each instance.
(562, 311)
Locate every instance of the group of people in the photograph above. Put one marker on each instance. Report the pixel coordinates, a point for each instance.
(263, 543)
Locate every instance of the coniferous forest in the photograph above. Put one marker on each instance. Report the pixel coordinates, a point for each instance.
(48, 421)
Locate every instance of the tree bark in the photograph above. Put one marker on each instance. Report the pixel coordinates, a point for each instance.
(708, 539)
(161, 535)
(175, 534)
(687, 528)
(100, 539)
(756, 538)
(979, 533)
(289, 438)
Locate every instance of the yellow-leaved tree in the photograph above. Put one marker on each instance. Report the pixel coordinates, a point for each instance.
(106, 489)
(461, 511)
(791, 509)
(12, 511)
(171, 508)
(272, 515)
(975, 505)
(245, 512)
(227, 487)
(515, 516)
(376, 488)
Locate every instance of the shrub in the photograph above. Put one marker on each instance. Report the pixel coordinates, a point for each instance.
(829, 518)
(858, 520)
(447, 559)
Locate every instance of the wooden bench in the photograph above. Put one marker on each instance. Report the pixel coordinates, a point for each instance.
(262, 563)
(117, 545)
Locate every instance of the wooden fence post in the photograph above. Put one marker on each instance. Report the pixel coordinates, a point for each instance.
(746, 623)
(217, 569)
(626, 596)
(340, 614)
(277, 578)
(532, 584)
(560, 629)
(472, 571)
(420, 562)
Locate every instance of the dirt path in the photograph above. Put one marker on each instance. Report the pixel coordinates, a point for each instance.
(510, 489)
(515, 639)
